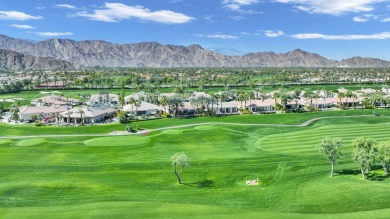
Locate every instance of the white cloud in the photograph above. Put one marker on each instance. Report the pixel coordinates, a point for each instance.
(245, 33)
(218, 36)
(240, 2)
(22, 26)
(365, 18)
(386, 19)
(18, 16)
(273, 33)
(379, 36)
(237, 18)
(65, 6)
(235, 5)
(209, 18)
(333, 7)
(114, 12)
(54, 34)
(359, 19)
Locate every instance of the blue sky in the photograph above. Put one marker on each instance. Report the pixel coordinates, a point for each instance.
(336, 29)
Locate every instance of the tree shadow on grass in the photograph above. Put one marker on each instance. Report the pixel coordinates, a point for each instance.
(373, 176)
(347, 172)
(201, 184)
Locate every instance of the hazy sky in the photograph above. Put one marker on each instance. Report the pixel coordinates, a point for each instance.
(333, 28)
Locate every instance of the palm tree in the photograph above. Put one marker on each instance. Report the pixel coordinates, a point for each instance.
(15, 112)
(340, 95)
(137, 103)
(175, 101)
(223, 97)
(68, 114)
(164, 103)
(82, 112)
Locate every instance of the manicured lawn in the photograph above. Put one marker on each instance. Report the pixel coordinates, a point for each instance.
(86, 177)
(288, 118)
(18, 130)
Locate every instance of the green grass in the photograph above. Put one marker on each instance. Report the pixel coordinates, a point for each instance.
(86, 177)
(118, 141)
(31, 142)
(289, 118)
(69, 177)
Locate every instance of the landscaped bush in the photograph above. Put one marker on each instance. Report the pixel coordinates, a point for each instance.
(245, 111)
(311, 108)
(38, 124)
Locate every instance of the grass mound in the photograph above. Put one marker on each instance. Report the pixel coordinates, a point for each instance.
(204, 127)
(172, 131)
(4, 141)
(31, 142)
(118, 141)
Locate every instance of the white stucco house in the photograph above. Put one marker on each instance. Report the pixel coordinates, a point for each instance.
(100, 100)
(87, 115)
(42, 113)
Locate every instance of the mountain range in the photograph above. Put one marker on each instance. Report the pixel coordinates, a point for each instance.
(93, 53)
(14, 61)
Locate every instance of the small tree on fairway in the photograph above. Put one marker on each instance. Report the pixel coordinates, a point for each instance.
(179, 161)
(382, 152)
(363, 154)
(15, 112)
(331, 149)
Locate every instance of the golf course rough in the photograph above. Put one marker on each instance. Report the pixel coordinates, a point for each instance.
(118, 141)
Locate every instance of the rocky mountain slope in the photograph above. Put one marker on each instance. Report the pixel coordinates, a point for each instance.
(11, 61)
(152, 54)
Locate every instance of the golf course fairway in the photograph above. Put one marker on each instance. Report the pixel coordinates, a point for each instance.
(132, 176)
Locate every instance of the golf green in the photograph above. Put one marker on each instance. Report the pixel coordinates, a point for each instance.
(172, 131)
(4, 141)
(31, 142)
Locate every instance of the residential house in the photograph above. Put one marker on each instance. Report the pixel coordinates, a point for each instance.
(137, 96)
(87, 115)
(56, 101)
(103, 99)
(42, 112)
(144, 108)
(261, 106)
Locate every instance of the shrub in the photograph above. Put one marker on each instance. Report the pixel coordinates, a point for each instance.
(245, 111)
(38, 124)
(311, 108)
(278, 107)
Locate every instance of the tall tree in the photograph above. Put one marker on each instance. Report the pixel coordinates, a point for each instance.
(81, 112)
(179, 161)
(122, 95)
(175, 101)
(69, 113)
(331, 149)
(363, 154)
(15, 112)
(382, 151)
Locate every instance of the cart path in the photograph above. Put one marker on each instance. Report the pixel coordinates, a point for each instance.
(184, 126)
